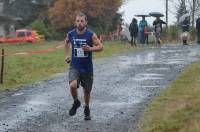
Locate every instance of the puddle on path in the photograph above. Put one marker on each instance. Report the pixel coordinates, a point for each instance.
(148, 76)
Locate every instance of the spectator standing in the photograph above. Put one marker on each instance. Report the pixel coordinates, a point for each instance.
(185, 25)
(143, 23)
(133, 29)
(198, 30)
(146, 35)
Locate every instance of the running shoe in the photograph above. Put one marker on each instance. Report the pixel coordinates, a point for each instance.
(75, 106)
(87, 113)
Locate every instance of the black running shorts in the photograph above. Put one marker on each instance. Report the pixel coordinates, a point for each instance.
(85, 79)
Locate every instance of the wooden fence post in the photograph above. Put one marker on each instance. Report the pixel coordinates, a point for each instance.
(2, 66)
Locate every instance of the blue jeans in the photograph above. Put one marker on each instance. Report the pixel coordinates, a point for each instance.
(142, 37)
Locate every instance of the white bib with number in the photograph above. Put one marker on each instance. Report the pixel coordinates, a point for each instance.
(79, 52)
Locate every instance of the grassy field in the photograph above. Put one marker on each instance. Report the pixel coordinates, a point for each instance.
(177, 109)
(25, 69)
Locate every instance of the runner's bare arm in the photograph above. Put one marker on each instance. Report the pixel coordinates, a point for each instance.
(67, 49)
(97, 45)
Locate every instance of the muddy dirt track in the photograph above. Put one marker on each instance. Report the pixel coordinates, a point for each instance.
(123, 86)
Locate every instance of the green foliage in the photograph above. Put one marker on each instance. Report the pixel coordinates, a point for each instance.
(193, 33)
(103, 27)
(117, 19)
(28, 10)
(22, 9)
(98, 29)
(39, 26)
(48, 31)
(35, 15)
(172, 33)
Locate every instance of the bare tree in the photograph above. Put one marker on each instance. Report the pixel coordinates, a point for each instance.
(181, 9)
(194, 5)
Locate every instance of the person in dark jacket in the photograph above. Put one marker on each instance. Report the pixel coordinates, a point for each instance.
(185, 25)
(158, 28)
(133, 29)
(198, 30)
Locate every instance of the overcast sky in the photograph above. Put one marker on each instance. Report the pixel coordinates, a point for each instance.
(133, 7)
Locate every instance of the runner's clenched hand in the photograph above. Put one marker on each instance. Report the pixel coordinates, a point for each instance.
(67, 59)
(86, 48)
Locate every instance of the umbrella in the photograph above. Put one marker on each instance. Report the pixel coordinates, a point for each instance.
(182, 18)
(142, 15)
(156, 14)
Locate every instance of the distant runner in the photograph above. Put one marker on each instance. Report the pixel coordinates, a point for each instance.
(83, 42)
(185, 25)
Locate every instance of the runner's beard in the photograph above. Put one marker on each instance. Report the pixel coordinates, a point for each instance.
(80, 28)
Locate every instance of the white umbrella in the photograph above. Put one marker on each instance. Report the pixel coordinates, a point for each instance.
(182, 18)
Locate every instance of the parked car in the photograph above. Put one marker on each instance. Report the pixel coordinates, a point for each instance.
(23, 35)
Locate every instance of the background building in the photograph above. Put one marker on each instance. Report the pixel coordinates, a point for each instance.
(7, 22)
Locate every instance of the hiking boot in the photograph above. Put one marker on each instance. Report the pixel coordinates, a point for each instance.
(75, 106)
(87, 113)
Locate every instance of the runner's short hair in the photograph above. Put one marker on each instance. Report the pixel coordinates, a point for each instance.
(81, 14)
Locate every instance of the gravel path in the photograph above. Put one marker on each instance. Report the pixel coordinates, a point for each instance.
(123, 86)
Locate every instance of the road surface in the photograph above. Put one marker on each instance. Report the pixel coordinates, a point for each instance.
(123, 86)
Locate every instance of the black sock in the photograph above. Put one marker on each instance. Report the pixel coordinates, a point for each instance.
(75, 98)
(86, 106)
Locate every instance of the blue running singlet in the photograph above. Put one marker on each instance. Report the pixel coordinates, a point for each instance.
(81, 60)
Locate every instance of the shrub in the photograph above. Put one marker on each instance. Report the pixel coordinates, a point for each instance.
(171, 33)
(193, 33)
(48, 31)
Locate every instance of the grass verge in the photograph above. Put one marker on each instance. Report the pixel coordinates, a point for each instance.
(25, 69)
(177, 109)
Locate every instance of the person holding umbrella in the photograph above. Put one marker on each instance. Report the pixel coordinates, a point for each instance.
(158, 28)
(157, 25)
(184, 22)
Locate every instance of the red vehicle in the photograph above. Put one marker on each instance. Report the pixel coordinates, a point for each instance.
(23, 35)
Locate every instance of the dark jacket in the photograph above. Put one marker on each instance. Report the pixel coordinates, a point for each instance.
(198, 24)
(133, 28)
(185, 25)
(158, 23)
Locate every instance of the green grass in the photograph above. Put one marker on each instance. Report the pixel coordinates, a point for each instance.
(25, 69)
(177, 109)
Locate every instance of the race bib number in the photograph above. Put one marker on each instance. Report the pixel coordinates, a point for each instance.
(79, 52)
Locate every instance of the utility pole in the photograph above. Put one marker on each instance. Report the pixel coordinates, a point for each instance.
(193, 11)
(167, 13)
